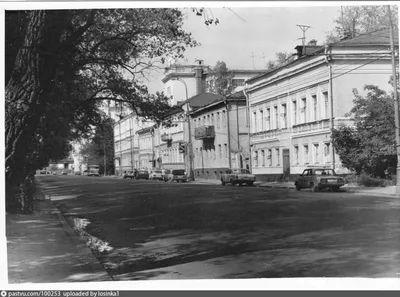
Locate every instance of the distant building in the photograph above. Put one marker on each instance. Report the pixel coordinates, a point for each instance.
(293, 108)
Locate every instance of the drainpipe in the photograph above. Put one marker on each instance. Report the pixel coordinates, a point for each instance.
(237, 128)
(130, 132)
(248, 123)
(229, 133)
(120, 148)
(328, 61)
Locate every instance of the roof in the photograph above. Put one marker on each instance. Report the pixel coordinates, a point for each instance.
(202, 99)
(145, 130)
(375, 38)
(378, 37)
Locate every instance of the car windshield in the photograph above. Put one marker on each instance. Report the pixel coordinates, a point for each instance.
(244, 171)
(178, 172)
(324, 172)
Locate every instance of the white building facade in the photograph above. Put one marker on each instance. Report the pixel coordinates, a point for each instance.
(293, 108)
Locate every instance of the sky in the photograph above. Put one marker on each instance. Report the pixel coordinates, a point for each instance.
(258, 30)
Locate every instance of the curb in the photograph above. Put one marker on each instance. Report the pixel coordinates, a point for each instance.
(79, 242)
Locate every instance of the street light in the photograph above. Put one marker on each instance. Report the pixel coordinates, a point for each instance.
(191, 175)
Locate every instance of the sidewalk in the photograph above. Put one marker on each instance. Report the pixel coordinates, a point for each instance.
(43, 248)
(350, 188)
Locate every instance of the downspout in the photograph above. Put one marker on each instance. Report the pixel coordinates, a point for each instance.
(229, 133)
(248, 123)
(130, 132)
(237, 128)
(328, 61)
(120, 149)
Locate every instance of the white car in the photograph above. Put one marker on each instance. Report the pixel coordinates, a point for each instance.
(156, 174)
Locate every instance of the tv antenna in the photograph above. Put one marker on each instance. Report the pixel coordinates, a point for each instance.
(304, 28)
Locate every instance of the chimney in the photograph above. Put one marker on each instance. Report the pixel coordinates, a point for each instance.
(198, 70)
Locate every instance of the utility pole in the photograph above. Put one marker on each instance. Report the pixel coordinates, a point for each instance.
(396, 101)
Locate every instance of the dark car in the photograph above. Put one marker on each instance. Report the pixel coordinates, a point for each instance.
(142, 174)
(319, 178)
(178, 175)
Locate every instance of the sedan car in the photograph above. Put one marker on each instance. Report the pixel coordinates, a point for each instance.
(129, 174)
(156, 174)
(142, 174)
(178, 175)
(318, 179)
(238, 176)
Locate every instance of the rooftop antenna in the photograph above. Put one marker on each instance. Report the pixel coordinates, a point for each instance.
(304, 28)
(252, 55)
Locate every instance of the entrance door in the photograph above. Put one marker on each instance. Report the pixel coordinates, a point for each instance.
(286, 164)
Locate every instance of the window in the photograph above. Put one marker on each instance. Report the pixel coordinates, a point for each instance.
(255, 158)
(212, 119)
(294, 104)
(316, 153)
(220, 151)
(326, 106)
(327, 152)
(208, 120)
(237, 83)
(283, 116)
(306, 161)
(255, 122)
(213, 150)
(263, 157)
(304, 109)
(218, 120)
(224, 118)
(261, 119)
(204, 121)
(226, 150)
(278, 156)
(195, 123)
(315, 107)
(269, 157)
(268, 119)
(276, 117)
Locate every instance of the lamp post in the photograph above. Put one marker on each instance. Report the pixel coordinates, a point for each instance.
(190, 149)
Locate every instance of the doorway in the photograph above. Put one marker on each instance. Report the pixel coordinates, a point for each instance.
(286, 164)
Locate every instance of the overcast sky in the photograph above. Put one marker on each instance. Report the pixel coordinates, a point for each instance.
(259, 29)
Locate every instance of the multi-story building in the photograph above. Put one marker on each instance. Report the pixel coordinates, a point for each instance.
(294, 108)
(220, 134)
(126, 143)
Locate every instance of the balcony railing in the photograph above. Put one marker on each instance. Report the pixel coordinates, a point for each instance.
(204, 132)
(166, 137)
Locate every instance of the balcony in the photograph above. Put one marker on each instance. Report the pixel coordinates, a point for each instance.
(166, 137)
(204, 132)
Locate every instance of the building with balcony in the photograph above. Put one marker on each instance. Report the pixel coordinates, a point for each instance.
(293, 108)
(146, 157)
(220, 134)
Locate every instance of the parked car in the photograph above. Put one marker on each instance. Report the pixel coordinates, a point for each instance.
(178, 175)
(238, 176)
(142, 174)
(319, 178)
(156, 174)
(129, 174)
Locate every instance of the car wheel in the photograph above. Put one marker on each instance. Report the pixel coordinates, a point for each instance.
(298, 188)
(232, 182)
(335, 189)
(250, 184)
(240, 184)
(314, 188)
(222, 182)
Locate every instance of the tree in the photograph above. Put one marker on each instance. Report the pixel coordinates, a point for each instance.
(101, 147)
(80, 58)
(221, 79)
(370, 145)
(356, 20)
(281, 59)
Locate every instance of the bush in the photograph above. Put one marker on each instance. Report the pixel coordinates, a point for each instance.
(366, 180)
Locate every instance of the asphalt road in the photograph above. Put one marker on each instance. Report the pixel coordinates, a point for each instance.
(157, 230)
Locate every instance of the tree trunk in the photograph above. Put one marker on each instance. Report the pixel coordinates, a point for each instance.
(29, 89)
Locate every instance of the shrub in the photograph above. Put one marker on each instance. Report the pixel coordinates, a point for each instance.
(366, 180)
